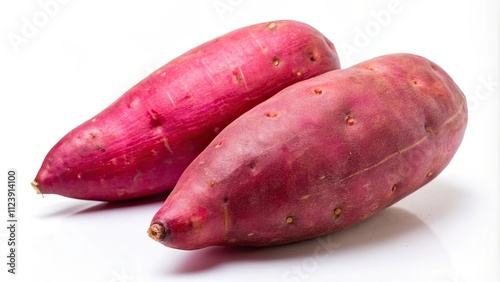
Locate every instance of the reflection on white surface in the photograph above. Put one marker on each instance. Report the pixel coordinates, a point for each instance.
(402, 243)
(394, 243)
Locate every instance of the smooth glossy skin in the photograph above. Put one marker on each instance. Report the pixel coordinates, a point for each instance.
(141, 144)
(319, 156)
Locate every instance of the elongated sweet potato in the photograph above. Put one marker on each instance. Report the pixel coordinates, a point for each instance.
(140, 144)
(319, 156)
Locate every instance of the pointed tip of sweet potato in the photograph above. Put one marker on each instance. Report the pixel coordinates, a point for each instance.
(157, 232)
(36, 186)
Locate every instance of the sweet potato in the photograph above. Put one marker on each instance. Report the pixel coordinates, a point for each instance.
(140, 144)
(319, 156)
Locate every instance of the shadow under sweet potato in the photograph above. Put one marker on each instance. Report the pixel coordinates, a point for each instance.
(126, 204)
(76, 207)
(377, 233)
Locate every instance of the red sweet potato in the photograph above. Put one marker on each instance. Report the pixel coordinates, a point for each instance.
(140, 144)
(319, 156)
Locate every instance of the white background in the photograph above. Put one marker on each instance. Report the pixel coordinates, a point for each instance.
(82, 55)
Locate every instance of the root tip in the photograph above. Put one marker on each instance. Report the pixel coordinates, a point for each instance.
(157, 231)
(34, 184)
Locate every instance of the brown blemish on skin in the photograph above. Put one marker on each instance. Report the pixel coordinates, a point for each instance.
(218, 144)
(226, 219)
(289, 219)
(276, 61)
(317, 91)
(429, 174)
(154, 120)
(394, 188)
(349, 121)
(93, 138)
(239, 77)
(272, 25)
(100, 148)
(211, 183)
(428, 128)
(337, 212)
(271, 115)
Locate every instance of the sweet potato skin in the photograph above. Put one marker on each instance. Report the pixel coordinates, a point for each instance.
(139, 145)
(321, 155)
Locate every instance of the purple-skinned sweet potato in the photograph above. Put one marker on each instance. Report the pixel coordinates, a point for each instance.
(140, 144)
(319, 156)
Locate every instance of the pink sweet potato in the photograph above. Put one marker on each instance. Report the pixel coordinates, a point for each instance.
(140, 144)
(319, 156)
